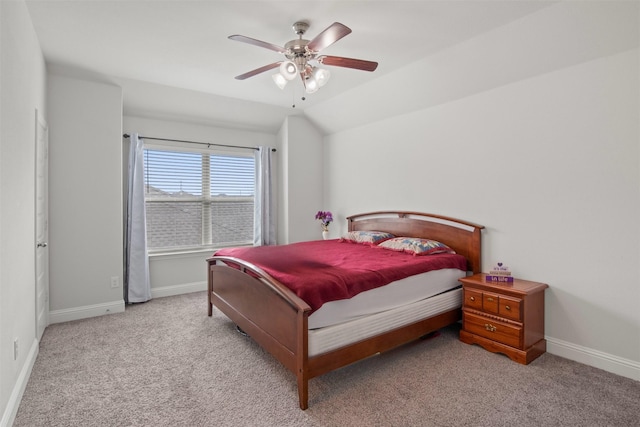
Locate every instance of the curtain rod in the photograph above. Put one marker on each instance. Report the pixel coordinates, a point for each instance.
(209, 144)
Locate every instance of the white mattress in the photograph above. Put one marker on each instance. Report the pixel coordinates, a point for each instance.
(384, 298)
(332, 337)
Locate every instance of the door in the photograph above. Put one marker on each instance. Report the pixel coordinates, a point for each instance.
(42, 225)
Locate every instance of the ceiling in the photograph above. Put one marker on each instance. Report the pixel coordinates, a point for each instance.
(184, 44)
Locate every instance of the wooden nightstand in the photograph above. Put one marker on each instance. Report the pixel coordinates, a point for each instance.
(504, 317)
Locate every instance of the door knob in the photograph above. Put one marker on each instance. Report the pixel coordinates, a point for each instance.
(41, 245)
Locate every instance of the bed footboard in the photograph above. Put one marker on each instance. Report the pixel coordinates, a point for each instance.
(266, 310)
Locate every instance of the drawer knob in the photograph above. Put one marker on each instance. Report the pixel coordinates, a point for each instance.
(472, 298)
(508, 307)
(490, 299)
(489, 327)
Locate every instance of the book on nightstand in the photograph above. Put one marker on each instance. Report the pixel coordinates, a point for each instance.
(499, 273)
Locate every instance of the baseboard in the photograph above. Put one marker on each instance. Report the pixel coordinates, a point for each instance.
(86, 311)
(13, 404)
(185, 288)
(614, 364)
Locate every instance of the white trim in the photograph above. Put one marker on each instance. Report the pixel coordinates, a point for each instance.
(13, 404)
(190, 253)
(84, 312)
(185, 288)
(87, 311)
(206, 253)
(597, 359)
(190, 146)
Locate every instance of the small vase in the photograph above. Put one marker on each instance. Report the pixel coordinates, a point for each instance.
(325, 234)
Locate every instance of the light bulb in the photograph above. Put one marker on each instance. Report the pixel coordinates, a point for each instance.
(288, 70)
(322, 76)
(279, 79)
(311, 84)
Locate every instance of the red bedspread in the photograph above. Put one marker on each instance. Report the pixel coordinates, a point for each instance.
(327, 270)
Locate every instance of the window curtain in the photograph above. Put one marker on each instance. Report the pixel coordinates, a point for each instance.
(264, 229)
(137, 286)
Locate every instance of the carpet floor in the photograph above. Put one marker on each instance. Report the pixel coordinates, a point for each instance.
(166, 363)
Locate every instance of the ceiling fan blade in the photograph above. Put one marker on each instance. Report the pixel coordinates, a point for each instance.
(258, 71)
(258, 43)
(329, 36)
(339, 61)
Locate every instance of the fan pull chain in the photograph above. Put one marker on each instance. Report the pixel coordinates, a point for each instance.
(293, 97)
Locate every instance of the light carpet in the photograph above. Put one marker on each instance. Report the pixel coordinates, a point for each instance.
(166, 363)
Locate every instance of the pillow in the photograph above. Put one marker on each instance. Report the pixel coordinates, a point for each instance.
(366, 237)
(416, 246)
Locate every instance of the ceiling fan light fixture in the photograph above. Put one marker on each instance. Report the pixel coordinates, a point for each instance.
(303, 55)
(288, 70)
(279, 80)
(311, 84)
(321, 75)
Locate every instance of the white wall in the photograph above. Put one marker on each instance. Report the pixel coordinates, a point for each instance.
(282, 216)
(548, 163)
(85, 198)
(187, 272)
(22, 89)
(301, 186)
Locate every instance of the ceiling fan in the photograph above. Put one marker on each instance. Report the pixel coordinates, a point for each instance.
(303, 57)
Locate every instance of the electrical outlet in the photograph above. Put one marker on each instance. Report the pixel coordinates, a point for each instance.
(115, 282)
(15, 349)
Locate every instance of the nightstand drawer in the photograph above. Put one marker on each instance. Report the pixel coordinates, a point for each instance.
(490, 302)
(510, 308)
(473, 299)
(493, 330)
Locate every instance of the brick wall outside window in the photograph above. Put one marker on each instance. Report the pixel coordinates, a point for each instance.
(179, 224)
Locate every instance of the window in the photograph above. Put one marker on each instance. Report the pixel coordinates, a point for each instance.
(198, 200)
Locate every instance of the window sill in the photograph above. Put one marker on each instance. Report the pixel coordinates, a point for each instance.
(185, 253)
(181, 254)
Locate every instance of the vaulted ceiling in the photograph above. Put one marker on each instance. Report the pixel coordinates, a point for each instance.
(185, 45)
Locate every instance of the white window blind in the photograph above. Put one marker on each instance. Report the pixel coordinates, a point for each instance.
(198, 200)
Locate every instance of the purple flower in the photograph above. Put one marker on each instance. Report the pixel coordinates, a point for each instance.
(325, 218)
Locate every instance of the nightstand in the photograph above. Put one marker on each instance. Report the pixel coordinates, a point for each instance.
(504, 317)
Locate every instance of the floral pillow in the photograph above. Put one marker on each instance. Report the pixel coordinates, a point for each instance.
(366, 237)
(416, 246)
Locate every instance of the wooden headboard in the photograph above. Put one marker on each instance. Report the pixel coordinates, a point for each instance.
(461, 236)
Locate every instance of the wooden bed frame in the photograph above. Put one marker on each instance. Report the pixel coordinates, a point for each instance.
(277, 319)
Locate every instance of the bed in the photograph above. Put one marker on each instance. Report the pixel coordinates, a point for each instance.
(278, 319)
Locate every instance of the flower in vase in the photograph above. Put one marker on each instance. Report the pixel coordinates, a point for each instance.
(325, 219)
